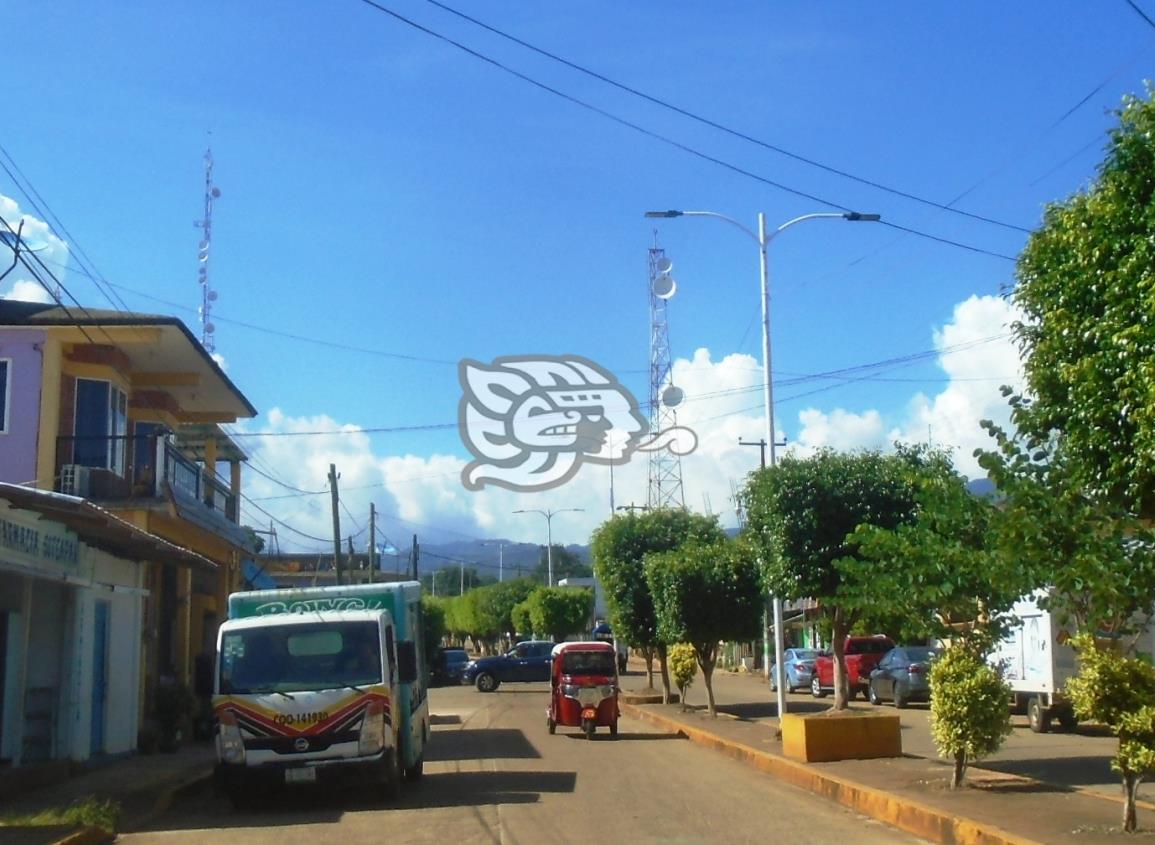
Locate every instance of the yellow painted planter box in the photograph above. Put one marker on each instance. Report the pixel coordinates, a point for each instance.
(840, 736)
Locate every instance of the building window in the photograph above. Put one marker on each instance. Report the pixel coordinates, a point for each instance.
(5, 392)
(101, 425)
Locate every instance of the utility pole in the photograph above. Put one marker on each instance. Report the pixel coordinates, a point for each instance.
(414, 556)
(761, 444)
(336, 524)
(372, 542)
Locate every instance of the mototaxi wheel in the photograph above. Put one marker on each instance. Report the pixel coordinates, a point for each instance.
(590, 728)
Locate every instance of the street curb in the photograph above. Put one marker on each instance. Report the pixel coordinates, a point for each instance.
(911, 816)
(87, 836)
(167, 795)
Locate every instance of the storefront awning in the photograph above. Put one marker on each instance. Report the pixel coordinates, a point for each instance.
(102, 529)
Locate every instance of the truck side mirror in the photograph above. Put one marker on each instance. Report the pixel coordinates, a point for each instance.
(407, 661)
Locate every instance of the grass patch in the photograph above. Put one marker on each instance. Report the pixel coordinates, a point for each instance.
(84, 812)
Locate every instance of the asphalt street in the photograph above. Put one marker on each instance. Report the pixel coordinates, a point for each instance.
(494, 775)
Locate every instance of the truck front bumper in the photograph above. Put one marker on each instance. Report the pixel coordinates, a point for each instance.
(231, 777)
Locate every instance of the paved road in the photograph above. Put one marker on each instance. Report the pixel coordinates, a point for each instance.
(494, 775)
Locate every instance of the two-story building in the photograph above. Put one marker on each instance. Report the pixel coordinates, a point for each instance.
(124, 411)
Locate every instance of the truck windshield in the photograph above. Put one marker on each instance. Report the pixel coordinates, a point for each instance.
(300, 658)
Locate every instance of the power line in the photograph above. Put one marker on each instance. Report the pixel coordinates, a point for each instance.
(1140, 13)
(658, 136)
(728, 130)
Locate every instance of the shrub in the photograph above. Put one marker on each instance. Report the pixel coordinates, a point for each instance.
(684, 665)
(1118, 691)
(969, 708)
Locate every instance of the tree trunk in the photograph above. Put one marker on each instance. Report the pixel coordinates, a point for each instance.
(1131, 782)
(707, 659)
(960, 767)
(665, 673)
(841, 687)
(648, 654)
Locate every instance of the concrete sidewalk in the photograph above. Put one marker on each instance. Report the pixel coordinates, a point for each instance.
(144, 785)
(910, 792)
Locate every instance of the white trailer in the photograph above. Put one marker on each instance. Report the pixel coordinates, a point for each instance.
(1037, 659)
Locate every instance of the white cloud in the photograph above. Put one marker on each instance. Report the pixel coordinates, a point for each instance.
(423, 494)
(26, 291)
(36, 235)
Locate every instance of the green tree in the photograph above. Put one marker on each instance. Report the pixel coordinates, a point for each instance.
(566, 564)
(1086, 288)
(969, 716)
(1119, 692)
(1096, 559)
(494, 603)
(433, 611)
(803, 512)
(618, 548)
(560, 611)
(522, 619)
(941, 575)
(683, 666)
(704, 594)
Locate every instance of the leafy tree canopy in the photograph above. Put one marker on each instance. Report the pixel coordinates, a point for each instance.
(560, 611)
(703, 594)
(619, 547)
(1086, 288)
(1096, 558)
(941, 575)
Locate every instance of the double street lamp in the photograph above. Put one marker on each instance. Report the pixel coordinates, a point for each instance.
(549, 515)
(763, 239)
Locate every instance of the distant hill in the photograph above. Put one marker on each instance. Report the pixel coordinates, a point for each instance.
(484, 555)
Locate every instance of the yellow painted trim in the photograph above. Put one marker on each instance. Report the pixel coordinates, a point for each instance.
(50, 362)
(840, 736)
(209, 417)
(110, 335)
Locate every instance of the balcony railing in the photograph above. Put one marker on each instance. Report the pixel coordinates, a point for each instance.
(125, 468)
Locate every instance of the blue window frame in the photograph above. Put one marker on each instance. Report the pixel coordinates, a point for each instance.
(101, 425)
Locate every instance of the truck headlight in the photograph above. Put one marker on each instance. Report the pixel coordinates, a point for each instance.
(372, 736)
(230, 745)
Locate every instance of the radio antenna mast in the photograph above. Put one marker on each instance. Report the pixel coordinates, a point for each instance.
(208, 295)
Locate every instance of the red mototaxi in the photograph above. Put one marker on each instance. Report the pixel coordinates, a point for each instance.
(583, 687)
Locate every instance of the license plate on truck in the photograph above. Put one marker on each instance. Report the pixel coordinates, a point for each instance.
(305, 775)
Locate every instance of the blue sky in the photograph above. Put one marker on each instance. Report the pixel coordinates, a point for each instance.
(391, 204)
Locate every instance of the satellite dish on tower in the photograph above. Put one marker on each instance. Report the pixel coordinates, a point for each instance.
(665, 287)
(672, 396)
(663, 265)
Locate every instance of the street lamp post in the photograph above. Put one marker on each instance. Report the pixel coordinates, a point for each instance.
(549, 515)
(763, 240)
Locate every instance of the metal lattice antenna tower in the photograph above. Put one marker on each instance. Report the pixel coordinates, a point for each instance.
(208, 295)
(665, 487)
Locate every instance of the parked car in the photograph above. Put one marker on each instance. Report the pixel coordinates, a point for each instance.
(901, 675)
(862, 655)
(799, 664)
(527, 661)
(448, 666)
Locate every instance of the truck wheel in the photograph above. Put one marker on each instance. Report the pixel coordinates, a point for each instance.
(243, 799)
(816, 688)
(415, 772)
(1068, 721)
(487, 682)
(1038, 716)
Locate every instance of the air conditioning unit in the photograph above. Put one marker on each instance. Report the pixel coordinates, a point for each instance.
(75, 480)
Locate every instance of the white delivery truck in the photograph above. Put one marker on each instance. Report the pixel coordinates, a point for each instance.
(321, 684)
(1037, 659)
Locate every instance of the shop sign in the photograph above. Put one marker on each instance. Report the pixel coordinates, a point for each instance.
(38, 544)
